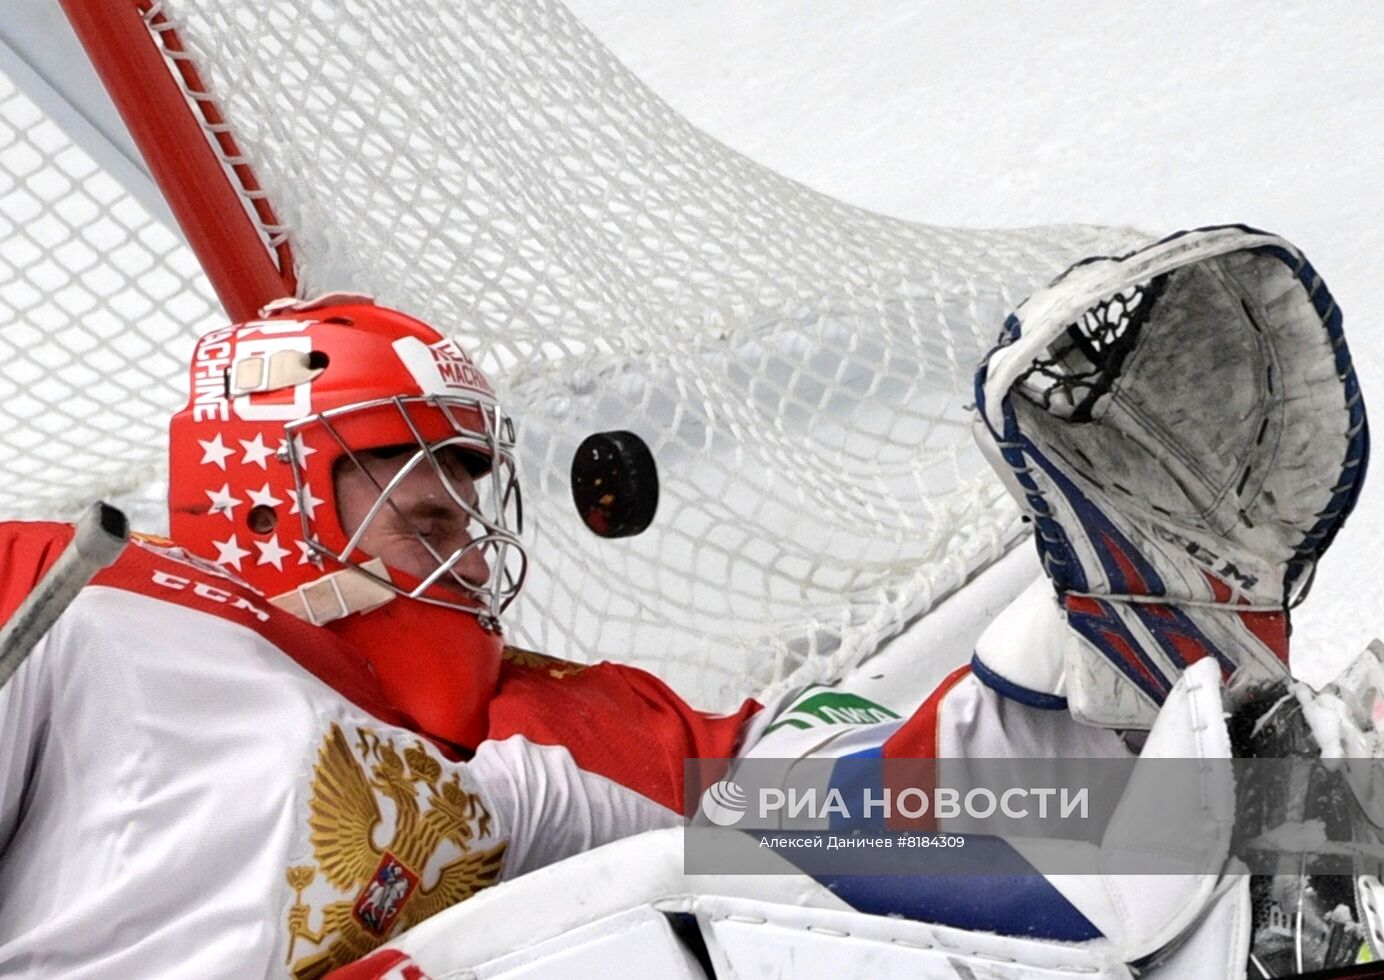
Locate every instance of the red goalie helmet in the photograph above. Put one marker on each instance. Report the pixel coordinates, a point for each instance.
(319, 453)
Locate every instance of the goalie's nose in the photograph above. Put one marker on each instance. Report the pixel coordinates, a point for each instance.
(472, 566)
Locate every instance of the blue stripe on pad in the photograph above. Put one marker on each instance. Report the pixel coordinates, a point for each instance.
(986, 884)
(1024, 904)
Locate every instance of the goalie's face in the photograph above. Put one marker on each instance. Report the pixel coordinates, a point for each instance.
(440, 510)
(415, 516)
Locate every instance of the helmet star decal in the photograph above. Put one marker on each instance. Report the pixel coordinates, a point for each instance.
(264, 497)
(301, 450)
(215, 451)
(229, 552)
(304, 502)
(307, 555)
(222, 502)
(271, 553)
(256, 451)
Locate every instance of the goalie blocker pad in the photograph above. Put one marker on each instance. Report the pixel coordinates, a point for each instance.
(1184, 426)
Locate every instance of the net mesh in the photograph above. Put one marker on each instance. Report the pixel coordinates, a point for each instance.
(99, 306)
(1085, 362)
(798, 366)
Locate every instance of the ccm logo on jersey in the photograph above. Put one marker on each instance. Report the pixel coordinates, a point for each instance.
(209, 592)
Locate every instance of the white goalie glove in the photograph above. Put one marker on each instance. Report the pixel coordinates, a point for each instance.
(1184, 427)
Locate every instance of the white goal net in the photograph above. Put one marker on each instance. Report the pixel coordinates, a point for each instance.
(99, 305)
(800, 368)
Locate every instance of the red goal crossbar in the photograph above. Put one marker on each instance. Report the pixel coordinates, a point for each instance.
(211, 189)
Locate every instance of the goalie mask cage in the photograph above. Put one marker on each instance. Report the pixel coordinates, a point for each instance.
(798, 366)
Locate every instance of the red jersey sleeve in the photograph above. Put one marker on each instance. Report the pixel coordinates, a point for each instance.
(617, 721)
(27, 551)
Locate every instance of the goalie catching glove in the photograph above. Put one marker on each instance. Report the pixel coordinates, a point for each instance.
(1184, 426)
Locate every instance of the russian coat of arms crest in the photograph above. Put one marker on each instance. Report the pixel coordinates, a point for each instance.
(383, 887)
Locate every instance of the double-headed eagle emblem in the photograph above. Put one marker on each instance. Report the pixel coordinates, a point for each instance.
(391, 888)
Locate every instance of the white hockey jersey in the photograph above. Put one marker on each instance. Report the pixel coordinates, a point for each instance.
(196, 784)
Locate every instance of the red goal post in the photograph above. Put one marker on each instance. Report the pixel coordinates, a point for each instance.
(189, 149)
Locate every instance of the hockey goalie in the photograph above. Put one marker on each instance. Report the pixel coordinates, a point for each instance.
(292, 733)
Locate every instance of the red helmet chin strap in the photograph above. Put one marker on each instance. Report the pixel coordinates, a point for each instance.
(435, 664)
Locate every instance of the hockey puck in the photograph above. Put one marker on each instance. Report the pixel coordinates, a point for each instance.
(615, 484)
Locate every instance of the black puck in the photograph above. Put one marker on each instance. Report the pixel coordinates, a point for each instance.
(615, 484)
